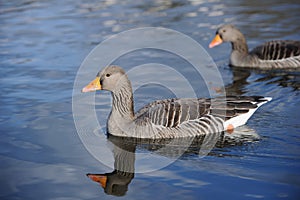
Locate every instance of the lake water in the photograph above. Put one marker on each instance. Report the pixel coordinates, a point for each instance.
(42, 45)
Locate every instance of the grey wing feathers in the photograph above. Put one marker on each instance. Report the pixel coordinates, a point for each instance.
(234, 106)
(276, 50)
(173, 112)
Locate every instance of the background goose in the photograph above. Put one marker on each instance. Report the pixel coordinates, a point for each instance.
(273, 54)
(169, 118)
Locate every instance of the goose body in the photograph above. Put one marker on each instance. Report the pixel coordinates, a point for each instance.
(170, 118)
(277, 54)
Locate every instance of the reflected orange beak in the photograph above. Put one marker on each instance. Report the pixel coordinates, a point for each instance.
(216, 41)
(102, 179)
(93, 86)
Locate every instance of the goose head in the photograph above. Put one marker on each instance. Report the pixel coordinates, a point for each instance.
(227, 33)
(110, 78)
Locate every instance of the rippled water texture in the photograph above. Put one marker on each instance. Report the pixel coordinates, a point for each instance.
(42, 45)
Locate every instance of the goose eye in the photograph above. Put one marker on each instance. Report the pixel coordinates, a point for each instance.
(224, 31)
(107, 75)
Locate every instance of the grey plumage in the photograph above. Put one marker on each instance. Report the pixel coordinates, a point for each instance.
(276, 50)
(170, 118)
(270, 55)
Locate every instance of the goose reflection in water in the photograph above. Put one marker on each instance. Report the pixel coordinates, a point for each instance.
(124, 151)
(116, 182)
(283, 78)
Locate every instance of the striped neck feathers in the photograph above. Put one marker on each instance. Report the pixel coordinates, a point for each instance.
(122, 98)
(240, 44)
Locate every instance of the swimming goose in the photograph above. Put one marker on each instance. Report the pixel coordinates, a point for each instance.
(278, 54)
(169, 118)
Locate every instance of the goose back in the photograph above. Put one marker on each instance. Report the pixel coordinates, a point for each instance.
(173, 112)
(190, 117)
(276, 50)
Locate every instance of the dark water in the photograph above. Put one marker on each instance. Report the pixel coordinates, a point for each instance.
(42, 44)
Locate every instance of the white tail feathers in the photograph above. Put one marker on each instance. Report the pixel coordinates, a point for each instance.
(243, 118)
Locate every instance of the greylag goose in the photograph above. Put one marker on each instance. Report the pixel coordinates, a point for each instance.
(277, 54)
(170, 118)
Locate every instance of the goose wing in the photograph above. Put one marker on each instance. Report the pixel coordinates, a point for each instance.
(277, 50)
(173, 112)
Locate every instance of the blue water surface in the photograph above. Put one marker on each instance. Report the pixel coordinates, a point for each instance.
(42, 45)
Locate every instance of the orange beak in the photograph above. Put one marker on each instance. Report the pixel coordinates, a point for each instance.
(102, 179)
(93, 86)
(216, 41)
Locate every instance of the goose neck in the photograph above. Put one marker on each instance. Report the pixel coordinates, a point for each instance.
(239, 43)
(240, 46)
(123, 102)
